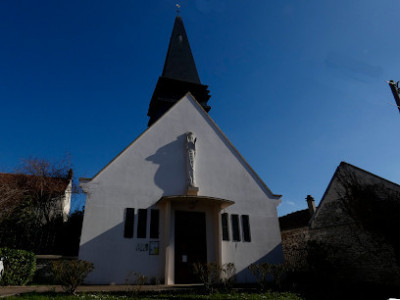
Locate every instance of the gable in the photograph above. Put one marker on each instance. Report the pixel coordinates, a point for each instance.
(329, 210)
(154, 164)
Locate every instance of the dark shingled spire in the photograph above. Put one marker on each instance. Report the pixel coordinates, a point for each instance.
(179, 63)
(178, 77)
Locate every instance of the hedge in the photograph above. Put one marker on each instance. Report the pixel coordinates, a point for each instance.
(19, 266)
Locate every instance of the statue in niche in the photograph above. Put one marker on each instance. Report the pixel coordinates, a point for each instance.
(190, 159)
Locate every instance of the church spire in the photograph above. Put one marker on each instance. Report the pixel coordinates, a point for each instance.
(179, 63)
(179, 76)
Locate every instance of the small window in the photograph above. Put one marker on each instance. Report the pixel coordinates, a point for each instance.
(142, 224)
(154, 223)
(235, 228)
(225, 229)
(246, 228)
(129, 222)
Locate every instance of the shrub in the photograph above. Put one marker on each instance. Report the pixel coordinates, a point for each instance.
(137, 279)
(266, 273)
(209, 274)
(212, 274)
(229, 275)
(71, 273)
(19, 266)
(261, 272)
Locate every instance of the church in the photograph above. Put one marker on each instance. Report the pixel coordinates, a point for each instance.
(179, 194)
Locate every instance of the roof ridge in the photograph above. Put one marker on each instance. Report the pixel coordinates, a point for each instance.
(367, 172)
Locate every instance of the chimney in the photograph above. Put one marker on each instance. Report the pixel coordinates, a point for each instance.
(70, 174)
(311, 204)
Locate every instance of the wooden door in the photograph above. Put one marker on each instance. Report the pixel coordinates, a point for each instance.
(190, 244)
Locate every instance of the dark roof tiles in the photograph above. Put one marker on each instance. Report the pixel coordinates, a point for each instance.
(295, 220)
(179, 63)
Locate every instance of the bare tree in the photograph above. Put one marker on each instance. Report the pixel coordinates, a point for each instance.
(46, 185)
(32, 202)
(373, 207)
(10, 194)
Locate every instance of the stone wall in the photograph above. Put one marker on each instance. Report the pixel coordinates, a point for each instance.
(294, 244)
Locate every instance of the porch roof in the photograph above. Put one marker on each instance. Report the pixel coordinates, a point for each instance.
(223, 203)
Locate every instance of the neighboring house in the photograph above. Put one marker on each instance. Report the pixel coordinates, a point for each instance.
(179, 194)
(55, 191)
(354, 201)
(342, 228)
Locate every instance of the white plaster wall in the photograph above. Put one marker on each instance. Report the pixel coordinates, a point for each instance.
(154, 166)
(66, 205)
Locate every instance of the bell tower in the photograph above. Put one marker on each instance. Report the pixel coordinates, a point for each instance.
(179, 76)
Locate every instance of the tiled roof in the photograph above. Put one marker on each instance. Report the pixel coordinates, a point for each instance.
(294, 220)
(30, 182)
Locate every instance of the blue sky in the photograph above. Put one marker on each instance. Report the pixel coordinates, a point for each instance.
(297, 86)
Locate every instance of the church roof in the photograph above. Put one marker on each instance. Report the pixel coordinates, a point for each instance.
(179, 63)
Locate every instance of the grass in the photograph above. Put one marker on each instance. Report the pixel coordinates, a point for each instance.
(110, 296)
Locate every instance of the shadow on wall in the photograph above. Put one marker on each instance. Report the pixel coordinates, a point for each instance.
(275, 256)
(171, 174)
(116, 259)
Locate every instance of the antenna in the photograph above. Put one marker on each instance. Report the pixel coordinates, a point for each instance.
(178, 9)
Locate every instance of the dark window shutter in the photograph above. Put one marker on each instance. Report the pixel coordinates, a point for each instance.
(129, 222)
(154, 223)
(246, 228)
(235, 228)
(225, 229)
(142, 224)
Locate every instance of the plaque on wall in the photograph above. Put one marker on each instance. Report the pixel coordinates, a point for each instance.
(154, 248)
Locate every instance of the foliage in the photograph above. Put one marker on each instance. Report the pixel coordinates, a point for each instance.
(373, 208)
(321, 261)
(138, 281)
(211, 274)
(262, 273)
(19, 266)
(71, 273)
(265, 273)
(105, 296)
(10, 194)
(228, 275)
(46, 183)
(31, 197)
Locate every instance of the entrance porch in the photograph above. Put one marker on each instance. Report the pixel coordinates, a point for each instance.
(191, 233)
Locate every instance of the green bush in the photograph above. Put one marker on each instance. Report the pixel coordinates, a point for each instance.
(71, 273)
(19, 266)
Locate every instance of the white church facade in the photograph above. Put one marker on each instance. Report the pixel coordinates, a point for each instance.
(179, 194)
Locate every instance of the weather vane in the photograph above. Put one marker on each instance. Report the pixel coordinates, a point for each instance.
(178, 8)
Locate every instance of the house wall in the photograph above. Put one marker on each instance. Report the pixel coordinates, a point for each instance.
(154, 166)
(354, 254)
(66, 205)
